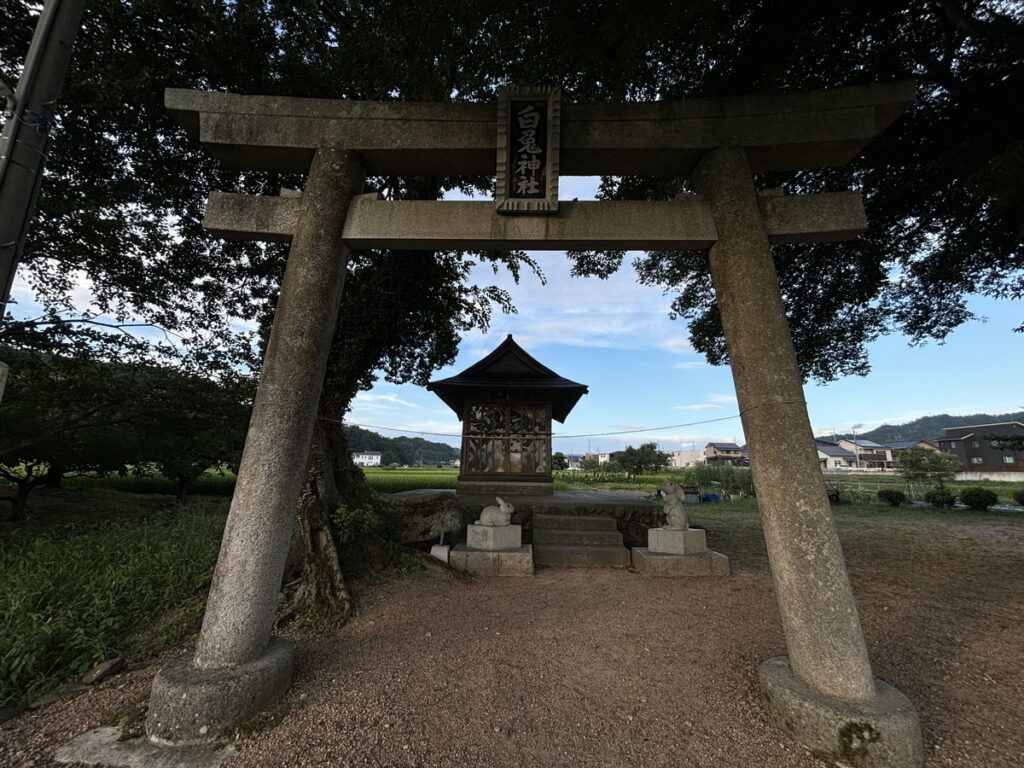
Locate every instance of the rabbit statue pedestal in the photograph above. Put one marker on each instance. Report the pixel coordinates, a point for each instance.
(678, 552)
(494, 547)
(494, 538)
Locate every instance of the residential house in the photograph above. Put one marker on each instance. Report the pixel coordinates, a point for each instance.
(832, 457)
(725, 453)
(978, 452)
(366, 458)
(683, 459)
(867, 454)
(574, 462)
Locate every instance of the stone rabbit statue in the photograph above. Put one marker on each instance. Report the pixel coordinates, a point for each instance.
(497, 515)
(675, 512)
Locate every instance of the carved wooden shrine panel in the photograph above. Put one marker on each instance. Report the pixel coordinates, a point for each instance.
(507, 438)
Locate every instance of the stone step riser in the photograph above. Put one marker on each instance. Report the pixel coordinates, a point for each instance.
(585, 538)
(573, 556)
(574, 522)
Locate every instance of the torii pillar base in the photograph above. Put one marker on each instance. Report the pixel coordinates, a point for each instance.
(196, 706)
(881, 733)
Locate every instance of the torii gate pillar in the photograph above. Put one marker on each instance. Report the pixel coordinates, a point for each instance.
(824, 694)
(238, 669)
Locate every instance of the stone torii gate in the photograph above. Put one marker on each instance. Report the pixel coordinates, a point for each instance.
(824, 693)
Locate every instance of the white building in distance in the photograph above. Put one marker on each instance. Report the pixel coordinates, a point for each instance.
(366, 458)
(683, 459)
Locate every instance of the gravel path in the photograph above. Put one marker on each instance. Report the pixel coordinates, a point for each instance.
(603, 668)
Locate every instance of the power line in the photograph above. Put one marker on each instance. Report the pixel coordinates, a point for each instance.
(554, 437)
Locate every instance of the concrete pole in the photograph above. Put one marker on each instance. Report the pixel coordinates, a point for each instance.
(26, 136)
(243, 596)
(819, 618)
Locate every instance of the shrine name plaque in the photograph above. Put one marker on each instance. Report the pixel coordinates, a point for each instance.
(528, 131)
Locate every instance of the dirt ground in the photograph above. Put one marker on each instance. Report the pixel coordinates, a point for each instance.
(603, 668)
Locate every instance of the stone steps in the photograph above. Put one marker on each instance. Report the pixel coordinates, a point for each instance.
(580, 556)
(576, 541)
(583, 537)
(574, 522)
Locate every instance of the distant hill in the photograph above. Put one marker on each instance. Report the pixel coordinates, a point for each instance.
(930, 427)
(400, 450)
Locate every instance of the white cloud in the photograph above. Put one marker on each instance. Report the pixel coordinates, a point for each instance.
(370, 400)
(689, 365)
(616, 313)
(677, 345)
(722, 398)
(703, 407)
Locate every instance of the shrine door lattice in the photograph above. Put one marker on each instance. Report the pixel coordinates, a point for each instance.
(507, 438)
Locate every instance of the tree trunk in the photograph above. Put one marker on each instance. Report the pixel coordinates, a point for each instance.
(315, 582)
(184, 487)
(19, 501)
(54, 475)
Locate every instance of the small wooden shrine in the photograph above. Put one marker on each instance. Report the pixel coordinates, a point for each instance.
(506, 403)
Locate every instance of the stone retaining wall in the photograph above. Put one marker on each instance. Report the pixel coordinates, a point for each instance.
(427, 512)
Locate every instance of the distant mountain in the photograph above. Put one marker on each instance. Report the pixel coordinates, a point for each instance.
(930, 427)
(400, 450)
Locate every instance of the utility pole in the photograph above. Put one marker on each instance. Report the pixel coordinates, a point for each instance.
(28, 133)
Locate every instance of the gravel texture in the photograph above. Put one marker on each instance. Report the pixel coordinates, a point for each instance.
(604, 668)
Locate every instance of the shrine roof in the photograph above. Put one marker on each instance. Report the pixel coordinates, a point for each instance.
(510, 367)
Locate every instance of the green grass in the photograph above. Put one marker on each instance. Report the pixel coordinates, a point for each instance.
(397, 480)
(74, 595)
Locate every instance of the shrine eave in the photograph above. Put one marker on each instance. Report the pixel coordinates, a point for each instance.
(563, 393)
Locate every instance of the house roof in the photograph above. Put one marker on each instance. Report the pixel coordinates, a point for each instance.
(831, 449)
(899, 445)
(368, 453)
(951, 431)
(509, 367)
(725, 446)
(866, 443)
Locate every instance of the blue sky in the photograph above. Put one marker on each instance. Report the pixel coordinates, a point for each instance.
(615, 336)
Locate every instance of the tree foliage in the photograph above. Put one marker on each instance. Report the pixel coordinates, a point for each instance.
(923, 465)
(940, 185)
(1007, 442)
(400, 450)
(646, 458)
(89, 414)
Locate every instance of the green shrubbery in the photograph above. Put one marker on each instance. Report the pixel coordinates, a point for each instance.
(710, 479)
(978, 499)
(1018, 497)
(70, 599)
(892, 497)
(940, 498)
(855, 496)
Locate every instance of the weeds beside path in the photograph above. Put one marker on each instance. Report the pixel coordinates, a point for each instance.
(90, 584)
